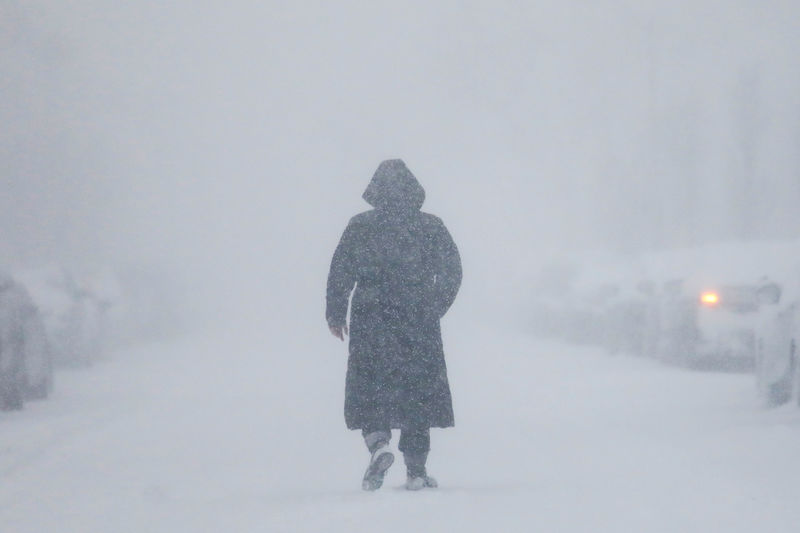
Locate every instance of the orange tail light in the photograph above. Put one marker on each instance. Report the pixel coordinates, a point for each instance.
(709, 298)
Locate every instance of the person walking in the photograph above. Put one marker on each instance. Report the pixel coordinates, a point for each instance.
(404, 271)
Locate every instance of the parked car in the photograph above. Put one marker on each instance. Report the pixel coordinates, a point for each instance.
(708, 325)
(72, 317)
(777, 367)
(26, 369)
(627, 315)
(38, 354)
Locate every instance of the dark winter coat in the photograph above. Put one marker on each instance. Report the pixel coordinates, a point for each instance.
(406, 271)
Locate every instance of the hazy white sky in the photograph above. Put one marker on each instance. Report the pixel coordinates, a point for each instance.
(232, 142)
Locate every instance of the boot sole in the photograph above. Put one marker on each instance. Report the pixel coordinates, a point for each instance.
(373, 478)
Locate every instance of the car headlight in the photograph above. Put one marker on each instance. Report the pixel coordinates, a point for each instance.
(709, 298)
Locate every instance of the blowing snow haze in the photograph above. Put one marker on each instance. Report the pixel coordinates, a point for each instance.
(228, 145)
(600, 165)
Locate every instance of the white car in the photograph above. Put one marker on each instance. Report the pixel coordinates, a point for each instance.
(26, 370)
(708, 325)
(777, 365)
(72, 317)
(38, 355)
(627, 316)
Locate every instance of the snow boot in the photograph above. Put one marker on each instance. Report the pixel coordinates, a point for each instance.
(417, 477)
(382, 459)
(421, 482)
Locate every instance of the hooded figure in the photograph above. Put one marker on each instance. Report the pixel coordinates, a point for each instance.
(404, 271)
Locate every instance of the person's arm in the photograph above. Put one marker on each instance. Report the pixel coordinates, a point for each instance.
(448, 271)
(341, 280)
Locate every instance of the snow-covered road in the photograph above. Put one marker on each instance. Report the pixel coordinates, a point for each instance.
(241, 433)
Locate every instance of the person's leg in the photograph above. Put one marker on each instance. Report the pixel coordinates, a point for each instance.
(376, 438)
(377, 442)
(415, 443)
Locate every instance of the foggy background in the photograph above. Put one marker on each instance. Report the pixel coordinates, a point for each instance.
(210, 154)
(226, 146)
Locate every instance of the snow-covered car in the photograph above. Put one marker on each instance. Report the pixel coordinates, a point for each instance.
(72, 317)
(26, 370)
(599, 299)
(702, 324)
(585, 319)
(777, 368)
(626, 319)
(38, 355)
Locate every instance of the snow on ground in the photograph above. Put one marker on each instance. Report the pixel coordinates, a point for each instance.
(243, 432)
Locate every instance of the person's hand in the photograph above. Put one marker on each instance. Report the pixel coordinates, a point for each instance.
(339, 331)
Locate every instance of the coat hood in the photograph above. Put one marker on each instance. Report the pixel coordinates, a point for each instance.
(393, 186)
